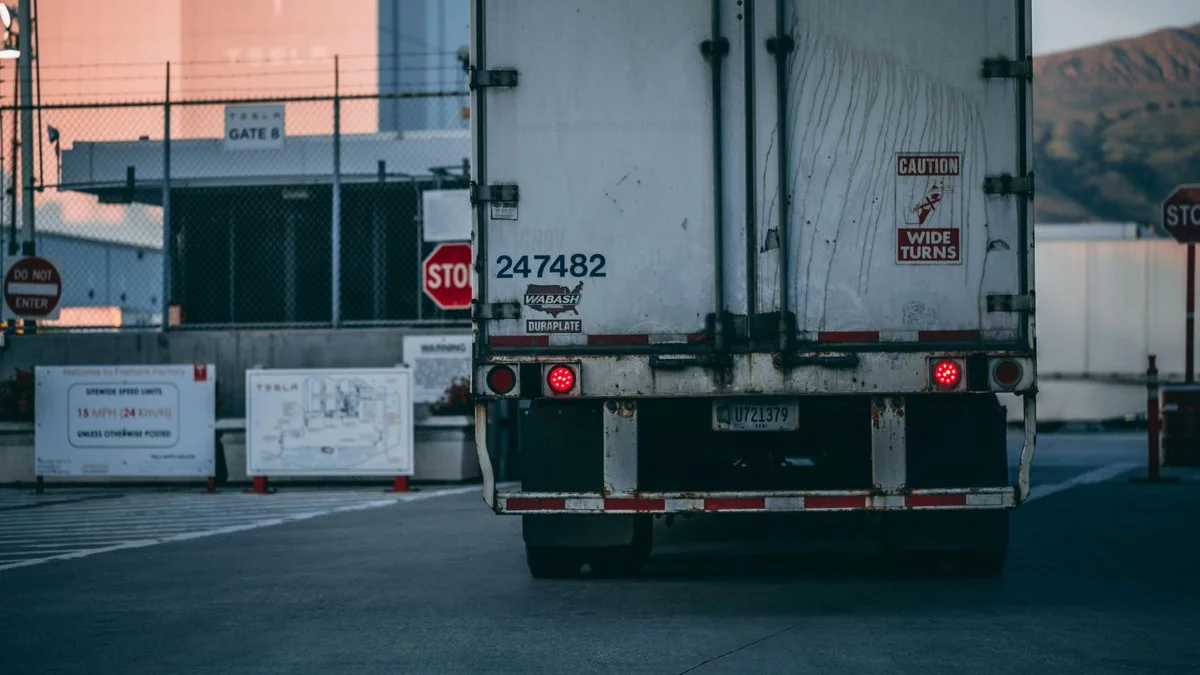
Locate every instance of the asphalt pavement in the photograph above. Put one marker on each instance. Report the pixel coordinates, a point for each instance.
(1102, 578)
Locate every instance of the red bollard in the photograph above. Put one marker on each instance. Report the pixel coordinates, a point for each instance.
(400, 484)
(211, 486)
(1152, 419)
(1153, 459)
(259, 486)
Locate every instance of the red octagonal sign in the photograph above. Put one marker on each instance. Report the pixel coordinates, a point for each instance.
(446, 276)
(1181, 214)
(32, 288)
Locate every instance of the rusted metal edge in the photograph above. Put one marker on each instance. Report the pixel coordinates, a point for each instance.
(750, 502)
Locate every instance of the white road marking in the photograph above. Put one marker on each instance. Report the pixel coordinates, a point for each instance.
(1089, 478)
(171, 512)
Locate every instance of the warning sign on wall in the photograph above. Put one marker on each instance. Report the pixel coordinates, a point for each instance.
(929, 208)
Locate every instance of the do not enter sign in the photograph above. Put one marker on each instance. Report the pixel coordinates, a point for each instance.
(32, 289)
(1181, 214)
(446, 276)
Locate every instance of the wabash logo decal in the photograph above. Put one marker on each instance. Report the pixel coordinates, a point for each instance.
(929, 208)
(553, 299)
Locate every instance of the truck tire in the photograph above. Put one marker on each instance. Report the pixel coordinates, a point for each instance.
(985, 564)
(618, 562)
(970, 542)
(988, 561)
(973, 543)
(553, 562)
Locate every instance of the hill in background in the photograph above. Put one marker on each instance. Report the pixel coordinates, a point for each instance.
(1116, 127)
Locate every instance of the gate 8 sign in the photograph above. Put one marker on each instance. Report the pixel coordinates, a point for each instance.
(1181, 214)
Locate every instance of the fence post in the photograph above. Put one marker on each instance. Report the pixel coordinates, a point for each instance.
(28, 142)
(335, 263)
(420, 223)
(14, 249)
(166, 206)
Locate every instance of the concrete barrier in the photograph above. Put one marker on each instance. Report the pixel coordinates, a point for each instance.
(444, 451)
(16, 452)
(233, 351)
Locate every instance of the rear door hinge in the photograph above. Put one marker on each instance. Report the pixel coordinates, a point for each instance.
(501, 199)
(711, 48)
(778, 46)
(497, 311)
(1010, 303)
(502, 77)
(501, 192)
(1008, 184)
(997, 68)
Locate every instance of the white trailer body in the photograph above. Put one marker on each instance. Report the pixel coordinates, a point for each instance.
(630, 230)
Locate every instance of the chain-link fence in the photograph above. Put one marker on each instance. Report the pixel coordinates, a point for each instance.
(284, 212)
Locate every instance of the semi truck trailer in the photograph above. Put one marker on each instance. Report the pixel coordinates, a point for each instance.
(753, 257)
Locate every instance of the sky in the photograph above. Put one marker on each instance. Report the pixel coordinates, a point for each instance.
(1066, 24)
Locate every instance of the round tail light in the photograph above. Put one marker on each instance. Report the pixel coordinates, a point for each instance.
(947, 374)
(1007, 373)
(501, 379)
(561, 379)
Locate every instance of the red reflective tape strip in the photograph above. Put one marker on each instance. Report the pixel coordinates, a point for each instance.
(697, 337)
(735, 503)
(936, 500)
(949, 336)
(618, 340)
(536, 504)
(835, 502)
(634, 504)
(519, 340)
(848, 336)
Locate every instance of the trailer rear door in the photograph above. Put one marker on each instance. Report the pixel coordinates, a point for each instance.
(892, 132)
(608, 137)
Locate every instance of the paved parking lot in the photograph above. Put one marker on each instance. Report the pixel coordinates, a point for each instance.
(1102, 579)
(37, 529)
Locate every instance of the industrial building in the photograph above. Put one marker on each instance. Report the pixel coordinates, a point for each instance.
(251, 229)
(114, 284)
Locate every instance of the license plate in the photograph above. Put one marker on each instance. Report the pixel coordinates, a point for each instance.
(756, 415)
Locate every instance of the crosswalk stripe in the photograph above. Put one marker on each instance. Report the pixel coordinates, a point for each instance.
(151, 505)
(72, 529)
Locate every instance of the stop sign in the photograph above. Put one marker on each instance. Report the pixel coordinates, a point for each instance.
(1181, 214)
(446, 276)
(32, 289)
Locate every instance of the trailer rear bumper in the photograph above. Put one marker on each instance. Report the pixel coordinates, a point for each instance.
(525, 503)
(888, 453)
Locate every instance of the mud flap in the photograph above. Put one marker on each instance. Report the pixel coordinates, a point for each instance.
(957, 443)
(923, 532)
(578, 531)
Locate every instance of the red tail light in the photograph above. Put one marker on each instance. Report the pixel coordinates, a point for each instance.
(947, 374)
(501, 379)
(561, 379)
(1007, 373)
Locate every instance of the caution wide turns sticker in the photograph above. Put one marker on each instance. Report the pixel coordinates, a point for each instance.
(929, 208)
